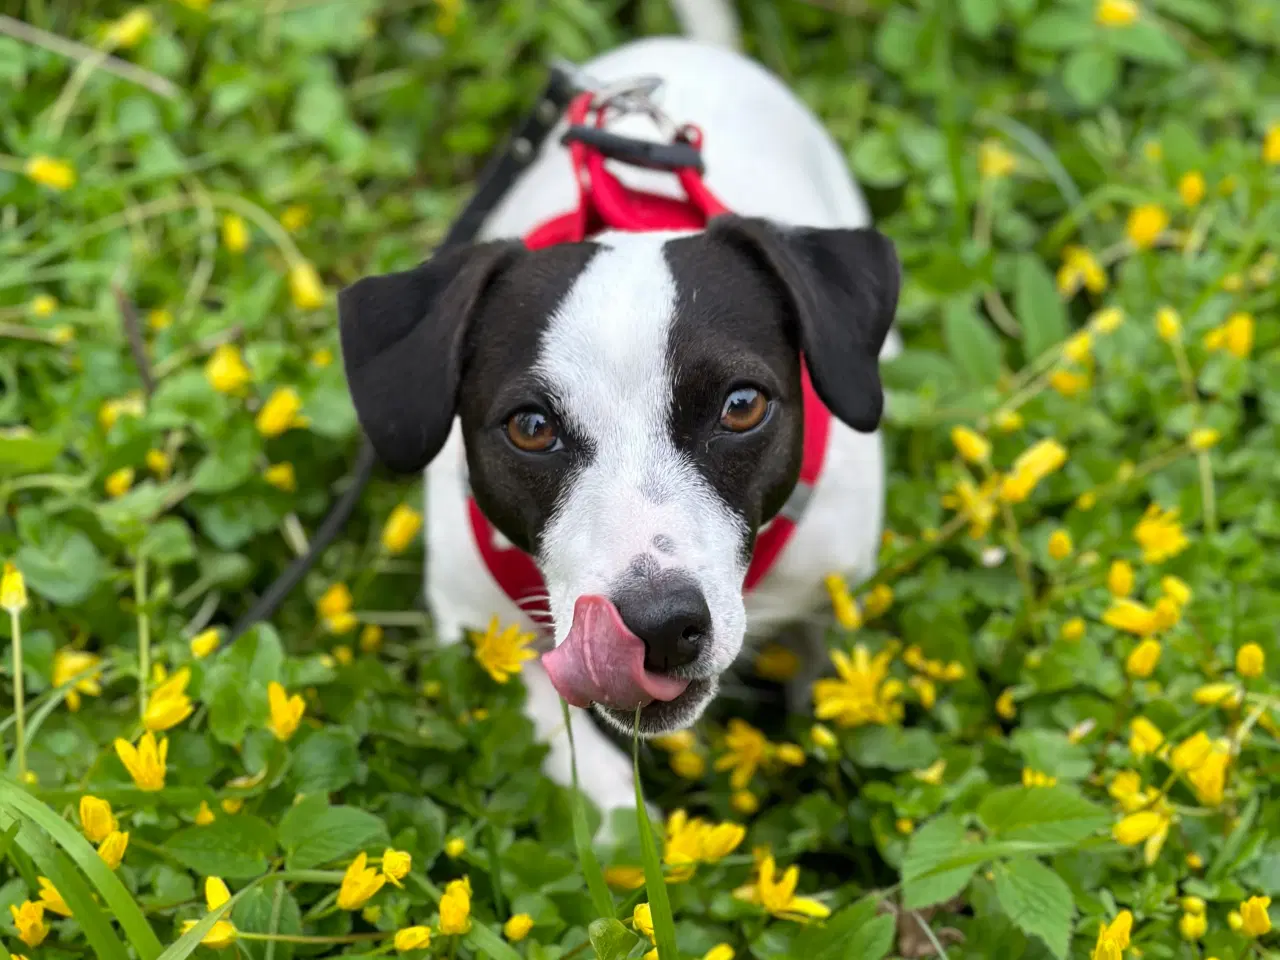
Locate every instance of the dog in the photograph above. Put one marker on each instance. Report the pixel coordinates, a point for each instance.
(628, 410)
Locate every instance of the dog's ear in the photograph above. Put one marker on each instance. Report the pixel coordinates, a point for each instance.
(843, 288)
(402, 339)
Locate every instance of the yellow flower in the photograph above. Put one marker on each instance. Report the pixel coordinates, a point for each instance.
(1113, 938)
(1006, 708)
(1142, 661)
(29, 919)
(776, 662)
(1168, 324)
(335, 600)
(878, 600)
(286, 711)
(1145, 225)
(1203, 438)
(146, 761)
(226, 370)
(232, 805)
(1032, 466)
(1079, 348)
(688, 764)
(343, 654)
(1191, 188)
(1073, 629)
(1060, 544)
(1126, 788)
(1192, 926)
(96, 819)
(1159, 534)
(1191, 753)
(503, 653)
(129, 30)
(159, 463)
(642, 920)
(223, 933)
(281, 476)
(306, 287)
(721, 951)
(1132, 617)
(1115, 13)
(204, 816)
(1238, 334)
(1144, 737)
(412, 938)
(842, 602)
(1271, 145)
(455, 907)
(51, 899)
(205, 642)
(401, 527)
(1079, 266)
(976, 504)
(863, 693)
(777, 894)
(931, 774)
(994, 161)
(159, 319)
(1107, 320)
(1139, 827)
(455, 847)
(1251, 661)
(790, 754)
(1218, 694)
(112, 849)
(280, 412)
(624, 878)
(13, 592)
(295, 217)
(1195, 861)
(1007, 421)
(1069, 383)
(112, 410)
(359, 883)
(1235, 921)
(118, 482)
(1037, 778)
(1254, 913)
(322, 358)
(746, 750)
(925, 689)
(371, 638)
(235, 234)
(904, 825)
(51, 173)
(744, 802)
(43, 305)
(67, 664)
(971, 445)
(396, 864)
(169, 704)
(1209, 779)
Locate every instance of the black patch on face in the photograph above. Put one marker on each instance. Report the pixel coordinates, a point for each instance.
(517, 491)
(732, 329)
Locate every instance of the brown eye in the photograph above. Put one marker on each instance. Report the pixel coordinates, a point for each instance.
(744, 409)
(532, 431)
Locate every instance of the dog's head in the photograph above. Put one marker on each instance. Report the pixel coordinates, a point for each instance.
(632, 414)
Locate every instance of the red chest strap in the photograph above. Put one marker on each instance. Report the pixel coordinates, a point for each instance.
(604, 203)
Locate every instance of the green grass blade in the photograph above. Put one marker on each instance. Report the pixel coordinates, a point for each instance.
(655, 885)
(601, 899)
(103, 939)
(479, 937)
(123, 907)
(186, 944)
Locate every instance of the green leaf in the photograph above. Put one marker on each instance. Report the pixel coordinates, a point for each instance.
(1037, 900)
(980, 17)
(326, 761)
(854, 933)
(601, 899)
(655, 884)
(1147, 42)
(1041, 312)
(169, 542)
(24, 452)
(892, 748)
(971, 343)
(235, 847)
(235, 689)
(610, 939)
(877, 161)
(313, 833)
(64, 568)
(1059, 29)
(1041, 814)
(1090, 74)
(935, 842)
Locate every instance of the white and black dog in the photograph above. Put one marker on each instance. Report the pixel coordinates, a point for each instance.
(627, 410)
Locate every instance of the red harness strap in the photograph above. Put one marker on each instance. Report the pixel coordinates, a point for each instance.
(604, 203)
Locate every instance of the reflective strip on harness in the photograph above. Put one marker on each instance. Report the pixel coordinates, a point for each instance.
(604, 203)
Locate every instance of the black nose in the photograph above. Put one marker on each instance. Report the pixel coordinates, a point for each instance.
(669, 613)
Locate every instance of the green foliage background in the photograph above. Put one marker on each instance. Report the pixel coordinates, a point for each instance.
(374, 115)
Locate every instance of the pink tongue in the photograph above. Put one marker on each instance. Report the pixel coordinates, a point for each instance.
(601, 661)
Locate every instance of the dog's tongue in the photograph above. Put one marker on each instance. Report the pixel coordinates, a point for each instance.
(601, 661)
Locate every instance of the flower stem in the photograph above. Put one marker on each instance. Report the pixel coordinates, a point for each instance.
(144, 630)
(19, 696)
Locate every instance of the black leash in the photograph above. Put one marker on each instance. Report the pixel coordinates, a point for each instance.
(494, 181)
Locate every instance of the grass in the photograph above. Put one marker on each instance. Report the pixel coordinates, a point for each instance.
(1057, 705)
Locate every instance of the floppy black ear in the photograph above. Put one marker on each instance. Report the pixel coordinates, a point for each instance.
(402, 337)
(843, 286)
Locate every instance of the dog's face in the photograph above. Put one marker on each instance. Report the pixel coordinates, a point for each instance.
(632, 414)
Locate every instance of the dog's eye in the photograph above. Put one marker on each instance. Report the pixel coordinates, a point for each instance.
(532, 431)
(744, 409)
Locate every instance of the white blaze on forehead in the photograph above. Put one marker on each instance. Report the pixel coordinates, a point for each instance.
(604, 359)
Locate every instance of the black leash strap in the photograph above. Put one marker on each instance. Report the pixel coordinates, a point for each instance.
(494, 181)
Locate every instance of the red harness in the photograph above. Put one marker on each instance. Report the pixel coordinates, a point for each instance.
(604, 203)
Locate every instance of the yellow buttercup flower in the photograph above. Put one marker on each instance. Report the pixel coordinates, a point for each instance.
(1120, 579)
(204, 816)
(624, 877)
(285, 711)
(169, 704)
(1073, 629)
(51, 899)
(305, 287)
(400, 529)
(359, 883)
(746, 749)
(322, 358)
(131, 405)
(1209, 779)
(1060, 544)
(129, 30)
(1168, 324)
(29, 920)
(878, 600)
(455, 907)
(1031, 467)
(688, 764)
(1037, 778)
(1192, 926)
(396, 864)
(1191, 188)
(1144, 737)
(971, 445)
(1113, 938)
(744, 802)
(112, 849)
(862, 693)
(205, 642)
(43, 305)
(223, 933)
(455, 847)
(1271, 145)
(1107, 320)
(1069, 383)
(232, 805)
(159, 319)
(96, 819)
(159, 463)
(1142, 661)
(412, 938)
(1148, 827)
(50, 172)
(13, 592)
(1115, 13)
(1145, 224)
(1131, 617)
(503, 653)
(371, 638)
(1080, 268)
(1251, 661)
(118, 482)
(842, 603)
(1256, 918)
(1160, 534)
(1007, 421)
(1006, 707)
(1191, 753)
(1203, 438)
(226, 370)
(1218, 695)
(931, 774)
(68, 664)
(1238, 333)
(280, 413)
(146, 761)
(995, 161)
(235, 233)
(295, 217)
(281, 476)
(1079, 348)
(823, 737)
(777, 894)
